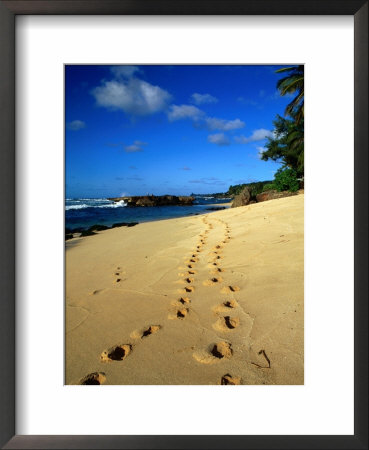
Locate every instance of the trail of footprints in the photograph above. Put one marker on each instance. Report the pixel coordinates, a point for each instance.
(119, 352)
(227, 321)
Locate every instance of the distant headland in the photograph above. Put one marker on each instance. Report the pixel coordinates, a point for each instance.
(155, 200)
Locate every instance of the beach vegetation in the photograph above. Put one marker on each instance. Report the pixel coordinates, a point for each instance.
(268, 187)
(287, 144)
(286, 180)
(254, 188)
(293, 83)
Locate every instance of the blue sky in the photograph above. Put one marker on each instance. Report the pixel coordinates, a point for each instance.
(133, 130)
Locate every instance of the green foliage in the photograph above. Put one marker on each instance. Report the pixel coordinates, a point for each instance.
(293, 83)
(287, 144)
(255, 188)
(286, 180)
(235, 190)
(268, 187)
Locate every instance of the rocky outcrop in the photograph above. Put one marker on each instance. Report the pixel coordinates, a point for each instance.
(82, 232)
(272, 195)
(242, 199)
(155, 200)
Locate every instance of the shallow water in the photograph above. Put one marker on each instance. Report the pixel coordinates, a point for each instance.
(87, 212)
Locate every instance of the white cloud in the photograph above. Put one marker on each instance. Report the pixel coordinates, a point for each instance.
(124, 71)
(218, 139)
(257, 135)
(134, 96)
(200, 99)
(76, 125)
(135, 147)
(260, 150)
(213, 123)
(179, 112)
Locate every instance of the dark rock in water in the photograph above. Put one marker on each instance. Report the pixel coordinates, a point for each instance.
(68, 236)
(242, 199)
(124, 224)
(153, 200)
(215, 208)
(77, 230)
(272, 195)
(98, 227)
(87, 233)
(68, 231)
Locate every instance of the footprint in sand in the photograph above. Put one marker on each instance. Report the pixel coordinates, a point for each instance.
(182, 313)
(228, 289)
(228, 379)
(145, 332)
(118, 274)
(225, 307)
(230, 304)
(191, 272)
(179, 312)
(97, 291)
(189, 280)
(151, 330)
(116, 353)
(215, 353)
(189, 289)
(212, 281)
(93, 378)
(226, 323)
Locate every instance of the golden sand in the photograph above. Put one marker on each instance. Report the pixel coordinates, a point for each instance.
(210, 299)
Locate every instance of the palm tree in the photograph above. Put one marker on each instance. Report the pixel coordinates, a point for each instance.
(291, 84)
(287, 144)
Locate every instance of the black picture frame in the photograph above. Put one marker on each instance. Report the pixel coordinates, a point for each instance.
(8, 12)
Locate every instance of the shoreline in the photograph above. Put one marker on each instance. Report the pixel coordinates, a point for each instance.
(211, 207)
(234, 317)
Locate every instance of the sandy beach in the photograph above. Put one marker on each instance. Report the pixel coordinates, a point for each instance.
(200, 300)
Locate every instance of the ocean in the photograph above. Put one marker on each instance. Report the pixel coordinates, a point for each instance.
(85, 212)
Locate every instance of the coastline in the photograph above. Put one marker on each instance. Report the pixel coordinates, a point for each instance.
(83, 214)
(170, 336)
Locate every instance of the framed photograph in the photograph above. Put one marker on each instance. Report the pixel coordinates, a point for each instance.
(166, 234)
